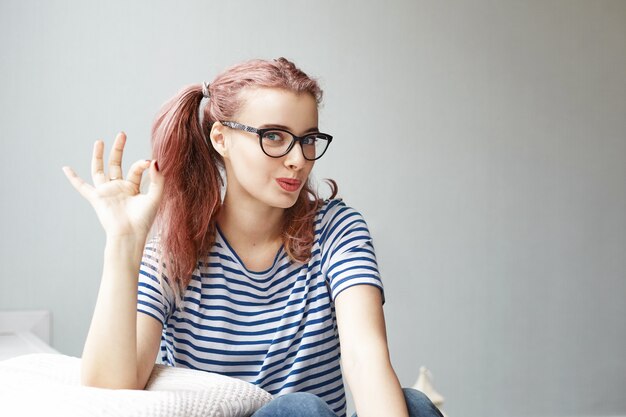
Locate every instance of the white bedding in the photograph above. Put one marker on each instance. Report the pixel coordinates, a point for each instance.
(48, 385)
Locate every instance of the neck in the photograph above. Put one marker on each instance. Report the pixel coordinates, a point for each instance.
(248, 224)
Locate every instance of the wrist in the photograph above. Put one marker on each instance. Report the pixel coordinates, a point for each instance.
(128, 245)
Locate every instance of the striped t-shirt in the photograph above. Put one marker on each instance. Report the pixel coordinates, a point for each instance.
(275, 328)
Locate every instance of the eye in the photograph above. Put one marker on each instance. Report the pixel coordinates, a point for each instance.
(276, 139)
(273, 136)
(309, 140)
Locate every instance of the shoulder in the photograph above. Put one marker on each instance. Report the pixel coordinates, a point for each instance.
(332, 209)
(154, 270)
(151, 249)
(153, 242)
(152, 264)
(335, 218)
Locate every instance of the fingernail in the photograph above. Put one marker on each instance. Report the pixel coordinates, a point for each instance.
(156, 165)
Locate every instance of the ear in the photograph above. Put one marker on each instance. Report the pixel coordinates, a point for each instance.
(218, 140)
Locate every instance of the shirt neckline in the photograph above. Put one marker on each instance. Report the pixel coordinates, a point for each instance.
(256, 274)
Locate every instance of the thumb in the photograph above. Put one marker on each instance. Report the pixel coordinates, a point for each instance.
(157, 182)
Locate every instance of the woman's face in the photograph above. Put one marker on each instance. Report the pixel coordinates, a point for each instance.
(251, 174)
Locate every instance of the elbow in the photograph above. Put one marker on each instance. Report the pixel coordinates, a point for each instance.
(362, 358)
(108, 384)
(94, 379)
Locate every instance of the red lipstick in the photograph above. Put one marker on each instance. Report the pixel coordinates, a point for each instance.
(289, 184)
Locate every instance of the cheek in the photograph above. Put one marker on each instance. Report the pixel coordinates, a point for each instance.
(252, 167)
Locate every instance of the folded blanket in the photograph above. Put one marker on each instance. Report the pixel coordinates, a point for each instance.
(49, 385)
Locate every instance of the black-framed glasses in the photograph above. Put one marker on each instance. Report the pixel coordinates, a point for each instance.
(277, 142)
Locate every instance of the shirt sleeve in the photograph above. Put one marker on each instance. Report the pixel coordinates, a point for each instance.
(155, 296)
(349, 258)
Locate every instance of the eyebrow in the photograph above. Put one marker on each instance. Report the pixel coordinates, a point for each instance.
(309, 130)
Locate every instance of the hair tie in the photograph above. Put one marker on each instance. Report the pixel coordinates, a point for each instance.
(205, 90)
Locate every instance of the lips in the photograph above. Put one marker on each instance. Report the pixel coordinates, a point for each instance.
(289, 184)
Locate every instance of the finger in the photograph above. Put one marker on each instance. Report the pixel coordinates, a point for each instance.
(157, 182)
(136, 172)
(115, 158)
(85, 189)
(97, 165)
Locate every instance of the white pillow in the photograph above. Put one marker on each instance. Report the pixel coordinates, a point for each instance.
(49, 385)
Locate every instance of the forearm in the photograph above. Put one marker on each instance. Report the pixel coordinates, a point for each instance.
(375, 389)
(110, 353)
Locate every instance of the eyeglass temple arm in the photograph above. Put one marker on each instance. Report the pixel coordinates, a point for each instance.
(239, 126)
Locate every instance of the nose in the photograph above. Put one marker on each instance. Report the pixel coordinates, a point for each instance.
(295, 157)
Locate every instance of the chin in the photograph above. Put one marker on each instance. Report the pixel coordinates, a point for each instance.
(287, 204)
(285, 201)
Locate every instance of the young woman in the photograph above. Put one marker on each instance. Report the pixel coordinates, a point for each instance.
(248, 274)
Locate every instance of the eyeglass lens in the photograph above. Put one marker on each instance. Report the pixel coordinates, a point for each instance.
(277, 142)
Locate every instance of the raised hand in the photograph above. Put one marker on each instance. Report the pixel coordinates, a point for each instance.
(122, 210)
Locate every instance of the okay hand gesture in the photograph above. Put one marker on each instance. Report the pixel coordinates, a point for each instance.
(122, 210)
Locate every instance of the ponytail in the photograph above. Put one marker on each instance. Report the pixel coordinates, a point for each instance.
(192, 192)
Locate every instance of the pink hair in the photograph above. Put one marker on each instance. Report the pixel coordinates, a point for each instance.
(192, 168)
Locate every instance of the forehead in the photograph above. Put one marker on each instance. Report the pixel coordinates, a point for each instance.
(269, 106)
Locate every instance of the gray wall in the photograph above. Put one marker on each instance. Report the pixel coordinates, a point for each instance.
(484, 141)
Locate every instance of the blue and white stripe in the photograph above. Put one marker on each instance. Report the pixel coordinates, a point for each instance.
(275, 328)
